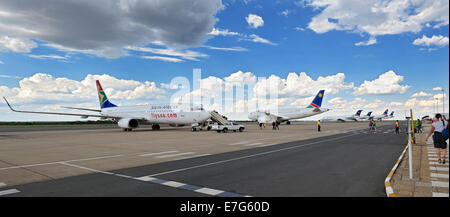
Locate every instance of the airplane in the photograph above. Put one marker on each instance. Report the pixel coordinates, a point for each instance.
(287, 114)
(380, 117)
(344, 118)
(367, 116)
(390, 116)
(130, 117)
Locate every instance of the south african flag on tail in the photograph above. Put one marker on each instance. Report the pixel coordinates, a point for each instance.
(104, 102)
(317, 102)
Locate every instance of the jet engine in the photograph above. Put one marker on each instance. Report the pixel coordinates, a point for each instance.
(128, 123)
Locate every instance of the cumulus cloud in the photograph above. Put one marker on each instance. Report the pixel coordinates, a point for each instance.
(437, 88)
(371, 41)
(45, 87)
(223, 32)
(19, 45)
(376, 17)
(254, 21)
(104, 27)
(420, 94)
(386, 83)
(440, 41)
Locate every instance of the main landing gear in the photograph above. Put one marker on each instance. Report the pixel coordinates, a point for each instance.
(288, 123)
(156, 127)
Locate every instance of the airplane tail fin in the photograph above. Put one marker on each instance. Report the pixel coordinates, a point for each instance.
(385, 112)
(392, 114)
(358, 113)
(368, 114)
(317, 102)
(102, 98)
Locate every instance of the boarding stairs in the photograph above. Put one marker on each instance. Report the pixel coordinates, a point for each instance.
(215, 116)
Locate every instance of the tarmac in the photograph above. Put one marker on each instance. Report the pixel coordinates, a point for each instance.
(344, 159)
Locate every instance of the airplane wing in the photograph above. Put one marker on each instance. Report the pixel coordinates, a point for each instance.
(85, 109)
(60, 113)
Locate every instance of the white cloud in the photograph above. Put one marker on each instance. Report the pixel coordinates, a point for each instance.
(420, 94)
(165, 59)
(9, 76)
(257, 39)
(186, 54)
(45, 87)
(237, 49)
(386, 83)
(434, 40)
(286, 12)
(299, 28)
(223, 32)
(376, 17)
(20, 45)
(104, 27)
(254, 21)
(437, 88)
(371, 41)
(1, 62)
(50, 56)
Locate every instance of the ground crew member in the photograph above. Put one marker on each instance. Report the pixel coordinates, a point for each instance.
(318, 125)
(277, 124)
(397, 127)
(419, 126)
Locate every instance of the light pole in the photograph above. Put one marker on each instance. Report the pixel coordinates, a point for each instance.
(443, 102)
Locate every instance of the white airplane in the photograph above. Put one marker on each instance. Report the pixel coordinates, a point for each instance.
(286, 114)
(390, 116)
(366, 117)
(130, 117)
(344, 118)
(380, 117)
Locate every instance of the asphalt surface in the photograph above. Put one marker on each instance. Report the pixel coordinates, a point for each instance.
(349, 164)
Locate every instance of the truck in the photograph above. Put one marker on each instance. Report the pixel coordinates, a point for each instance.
(227, 127)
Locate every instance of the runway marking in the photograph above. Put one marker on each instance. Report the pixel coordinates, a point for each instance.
(199, 155)
(439, 184)
(10, 191)
(2, 184)
(247, 156)
(168, 183)
(439, 175)
(269, 144)
(175, 155)
(253, 144)
(188, 187)
(434, 159)
(437, 163)
(436, 194)
(59, 162)
(86, 168)
(239, 143)
(439, 168)
(157, 153)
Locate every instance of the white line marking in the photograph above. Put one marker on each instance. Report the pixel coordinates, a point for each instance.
(439, 175)
(10, 191)
(173, 184)
(86, 168)
(253, 144)
(59, 162)
(145, 178)
(435, 159)
(174, 155)
(199, 155)
(439, 168)
(270, 144)
(2, 184)
(157, 153)
(209, 191)
(439, 184)
(437, 163)
(239, 143)
(248, 156)
(436, 194)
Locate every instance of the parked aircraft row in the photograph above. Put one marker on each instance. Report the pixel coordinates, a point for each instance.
(130, 117)
(358, 117)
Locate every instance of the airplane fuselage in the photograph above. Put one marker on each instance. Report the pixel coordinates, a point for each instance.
(159, 113)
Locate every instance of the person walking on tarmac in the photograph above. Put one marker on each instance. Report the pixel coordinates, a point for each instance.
(418, 126)
(318, 126)
(277, 125)
(273, 125)
(397, 127)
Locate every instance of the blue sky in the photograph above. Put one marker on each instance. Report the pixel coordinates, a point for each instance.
(309, 37)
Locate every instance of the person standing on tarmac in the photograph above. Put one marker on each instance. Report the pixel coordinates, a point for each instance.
(318, 126)
(277, 125)
(418, 126)
(397, 127)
